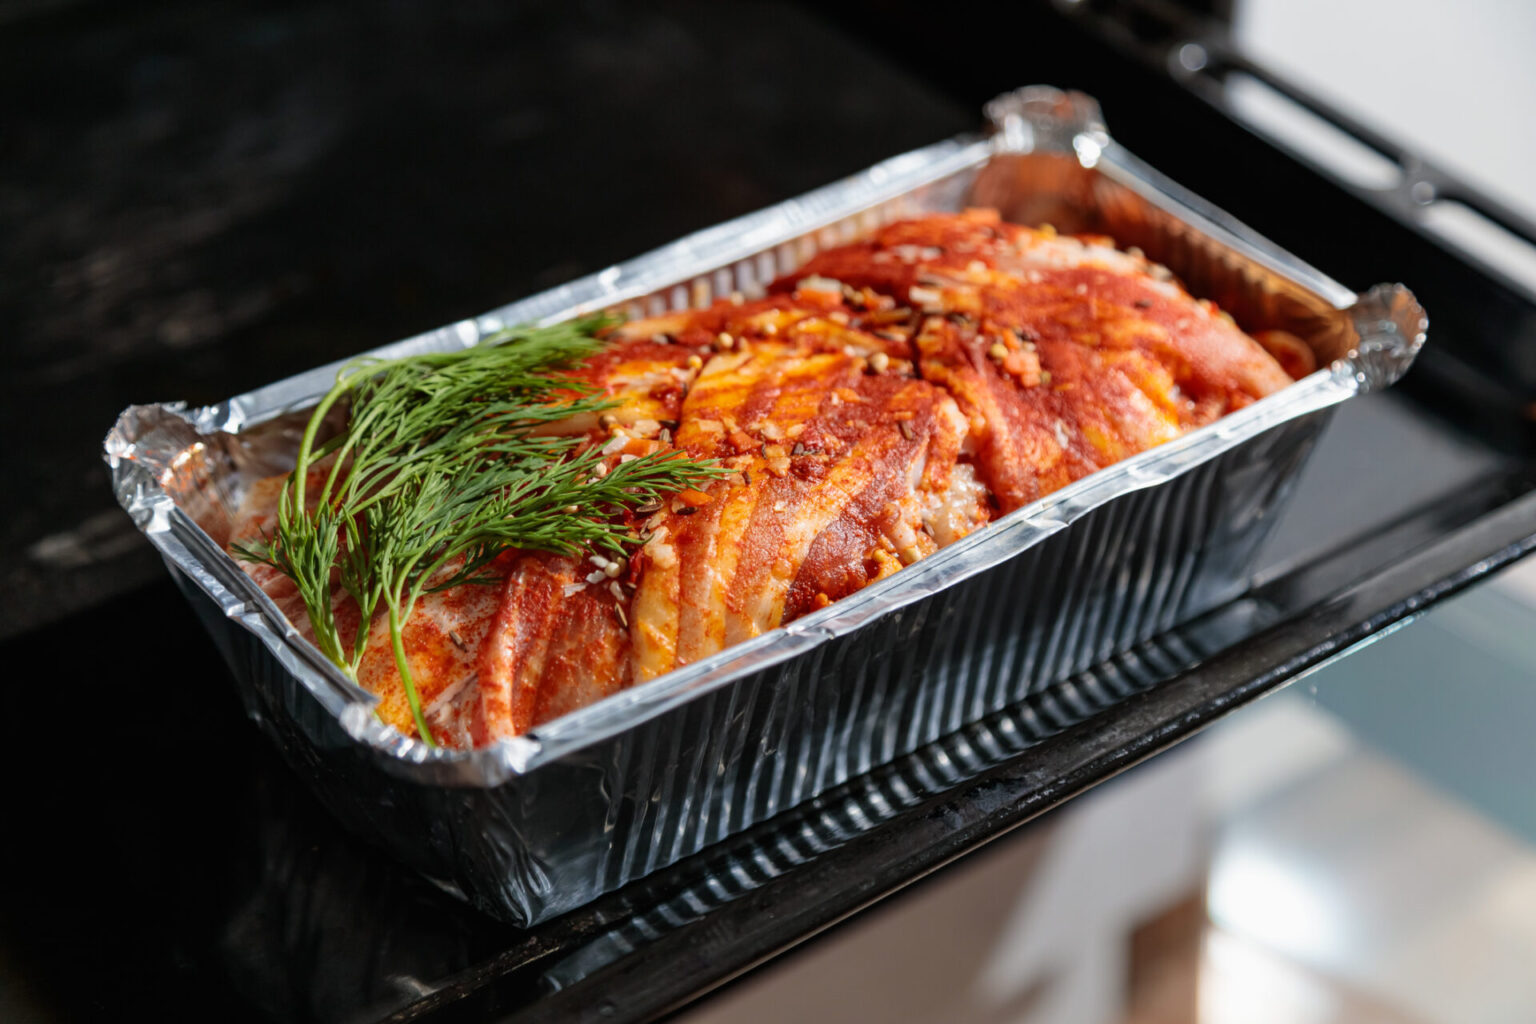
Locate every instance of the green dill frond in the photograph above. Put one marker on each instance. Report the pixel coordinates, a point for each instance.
(439, 468)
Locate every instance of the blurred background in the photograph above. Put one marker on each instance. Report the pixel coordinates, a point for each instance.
(200, 198)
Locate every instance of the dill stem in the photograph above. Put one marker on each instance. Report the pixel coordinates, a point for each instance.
(328, 641)
(343, 385)
(307, 443)
(406, 679)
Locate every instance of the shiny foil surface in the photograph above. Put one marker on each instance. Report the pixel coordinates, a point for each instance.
(542, 823)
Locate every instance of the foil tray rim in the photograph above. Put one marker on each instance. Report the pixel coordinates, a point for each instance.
(1388, 320)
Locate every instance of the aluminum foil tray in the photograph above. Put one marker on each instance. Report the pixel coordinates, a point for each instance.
(545, 822)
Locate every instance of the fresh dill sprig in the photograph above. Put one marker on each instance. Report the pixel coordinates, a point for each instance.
(439, 468)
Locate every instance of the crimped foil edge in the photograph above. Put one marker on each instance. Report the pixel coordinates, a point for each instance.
(1390, 328)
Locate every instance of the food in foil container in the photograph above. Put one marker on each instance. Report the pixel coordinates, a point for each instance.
(661, 489)
(982, 380)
